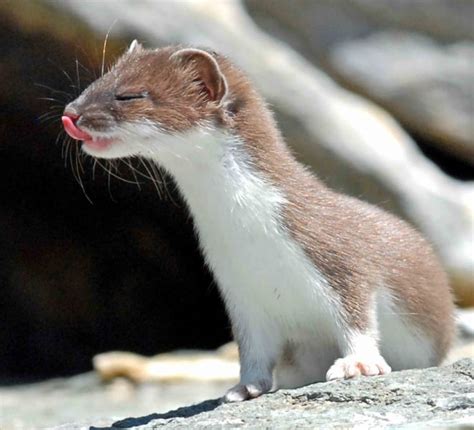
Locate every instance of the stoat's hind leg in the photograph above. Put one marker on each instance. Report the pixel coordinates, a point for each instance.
(404, 345)
(361, 357)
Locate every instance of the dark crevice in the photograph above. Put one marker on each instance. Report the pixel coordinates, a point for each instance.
(450, 164)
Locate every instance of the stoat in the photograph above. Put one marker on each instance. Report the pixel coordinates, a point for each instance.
(317, 285)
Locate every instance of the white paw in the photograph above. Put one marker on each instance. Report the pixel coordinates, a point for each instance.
(242, 392)
(356, 365)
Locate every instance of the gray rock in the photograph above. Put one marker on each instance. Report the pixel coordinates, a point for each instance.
(315, 27)
(412, 399)
(429, 87)
(440, 105)
(442, 19)
(86, 397)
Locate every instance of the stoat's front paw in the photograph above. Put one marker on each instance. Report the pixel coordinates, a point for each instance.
(356, 365)
(242, 392)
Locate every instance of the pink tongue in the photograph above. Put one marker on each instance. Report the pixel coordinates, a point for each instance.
(73, 131)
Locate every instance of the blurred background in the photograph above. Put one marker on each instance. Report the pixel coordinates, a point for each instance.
(376, 96)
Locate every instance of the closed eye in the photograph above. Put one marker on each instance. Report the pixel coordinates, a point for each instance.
(130, 96)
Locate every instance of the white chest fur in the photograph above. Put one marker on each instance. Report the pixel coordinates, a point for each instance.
(263, 274)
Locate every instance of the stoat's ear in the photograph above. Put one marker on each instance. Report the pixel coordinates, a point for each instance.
(208, 71)
(135, 46)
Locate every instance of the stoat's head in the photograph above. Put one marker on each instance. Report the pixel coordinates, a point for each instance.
(147, 94)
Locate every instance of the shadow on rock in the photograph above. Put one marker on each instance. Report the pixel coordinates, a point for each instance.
(184, 412)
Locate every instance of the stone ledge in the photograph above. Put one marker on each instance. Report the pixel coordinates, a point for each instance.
(412, 399)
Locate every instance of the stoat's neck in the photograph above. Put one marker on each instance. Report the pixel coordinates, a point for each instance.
(208, 157)
(220, 182)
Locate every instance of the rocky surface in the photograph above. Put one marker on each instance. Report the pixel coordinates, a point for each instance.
(86, 397)
(441, 19)
(413, 399)
(131, 385)
(428, 86)
(423, 55)
(315, 27)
